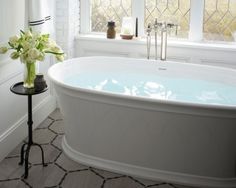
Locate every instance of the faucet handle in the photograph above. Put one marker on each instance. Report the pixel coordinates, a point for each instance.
(157, 24)
(176, 29)
(172, 25)
(149, 29)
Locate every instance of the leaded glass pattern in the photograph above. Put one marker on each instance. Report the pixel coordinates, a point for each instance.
(103, 11)
(220, 19)
(175, 11)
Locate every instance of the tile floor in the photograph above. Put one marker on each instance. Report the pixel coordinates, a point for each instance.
(62, 172)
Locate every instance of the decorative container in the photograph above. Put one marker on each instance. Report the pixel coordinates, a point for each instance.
(39, 82)
(127, 29)
(126, 37)
(29, 74)
(111, 32)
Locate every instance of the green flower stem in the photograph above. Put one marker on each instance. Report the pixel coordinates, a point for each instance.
(30, 75)
(55, 53)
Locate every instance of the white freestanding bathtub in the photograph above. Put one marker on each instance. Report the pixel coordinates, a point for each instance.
(165, 121)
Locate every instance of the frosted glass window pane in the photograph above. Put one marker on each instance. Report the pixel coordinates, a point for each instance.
(103, 11)
(176, 11)
(220, 20)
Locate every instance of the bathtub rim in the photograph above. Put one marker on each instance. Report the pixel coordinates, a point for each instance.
(146, 173)
(140, 98)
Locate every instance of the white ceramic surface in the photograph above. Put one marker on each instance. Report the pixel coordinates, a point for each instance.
(175, 141)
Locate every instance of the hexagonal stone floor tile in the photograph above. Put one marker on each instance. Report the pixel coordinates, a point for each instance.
(9, 169)
(68, 164)
(82, 179)
(50, 154)
(48, 176)
(122, 182)
(58, 127)
(43, 136)
(56, 115)
(57, 142)
(46, 123)
(13, 184)
(16, 151)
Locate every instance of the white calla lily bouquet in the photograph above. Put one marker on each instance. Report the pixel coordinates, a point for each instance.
(31, 47)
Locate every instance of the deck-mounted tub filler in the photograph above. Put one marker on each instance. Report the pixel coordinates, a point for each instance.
(168, 121)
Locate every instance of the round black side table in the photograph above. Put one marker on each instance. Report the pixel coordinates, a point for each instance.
(24, 156)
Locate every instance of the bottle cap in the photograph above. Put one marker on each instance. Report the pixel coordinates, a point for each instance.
(39, 75)
(111, 24)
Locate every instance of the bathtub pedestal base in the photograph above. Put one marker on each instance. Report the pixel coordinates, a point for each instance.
(146, 173)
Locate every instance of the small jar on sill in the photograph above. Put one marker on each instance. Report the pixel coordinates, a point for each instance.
(111, 32)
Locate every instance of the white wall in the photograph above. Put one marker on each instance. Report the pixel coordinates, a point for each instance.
(11, 23)
(13, 108)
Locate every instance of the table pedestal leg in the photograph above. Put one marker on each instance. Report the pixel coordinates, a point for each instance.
(35, 144)
(27, 161)
(24, 156)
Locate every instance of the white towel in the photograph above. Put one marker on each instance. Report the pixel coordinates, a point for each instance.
(39, 16)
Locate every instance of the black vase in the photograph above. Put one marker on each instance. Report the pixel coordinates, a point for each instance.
(39, 83)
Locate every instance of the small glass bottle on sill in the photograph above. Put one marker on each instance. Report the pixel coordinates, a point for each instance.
(111, 32)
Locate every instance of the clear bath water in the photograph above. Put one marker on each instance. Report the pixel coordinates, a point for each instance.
(157, 87)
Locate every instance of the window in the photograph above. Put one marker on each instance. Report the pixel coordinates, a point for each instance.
(197, 19)
(175, 11)
(106, 10)
(220, 19)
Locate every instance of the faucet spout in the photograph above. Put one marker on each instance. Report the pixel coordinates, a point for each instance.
(163, 42)
(149, 29)
(164, 28)
(156, 25)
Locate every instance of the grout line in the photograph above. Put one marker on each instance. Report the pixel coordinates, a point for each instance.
(96, 173)
(117, 177)
(58, 119)
(50, 130)
(51, 118)
(26, 183)
(103, 183)
(53, 139)
(59, 166)
(59, 155)
(13, 156)
(63, 178)
(81, 170)
(10, 179)
(136, 181)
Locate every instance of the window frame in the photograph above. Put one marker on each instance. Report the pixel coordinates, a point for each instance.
(85, 22)
(196, 20)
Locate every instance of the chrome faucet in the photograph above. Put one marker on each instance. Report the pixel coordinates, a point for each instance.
(149, 30)
(163, 41)
(163, 27)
